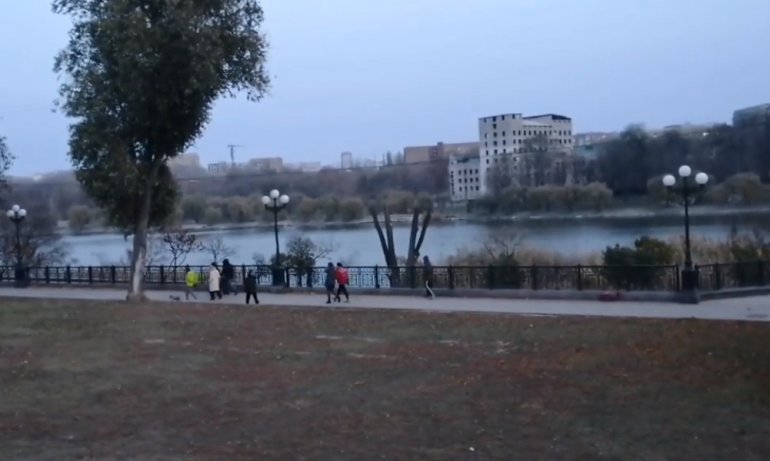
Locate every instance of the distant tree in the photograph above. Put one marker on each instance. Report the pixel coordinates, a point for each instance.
(179, 244)
(40, 244)
(302, 253)
(217, 248)
(194, 208)
(79, 217)
(142, 79)
(6, 158)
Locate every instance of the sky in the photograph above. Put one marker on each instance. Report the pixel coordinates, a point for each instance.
(370, 76)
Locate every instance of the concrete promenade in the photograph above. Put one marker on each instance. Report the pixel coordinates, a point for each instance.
(749, 308)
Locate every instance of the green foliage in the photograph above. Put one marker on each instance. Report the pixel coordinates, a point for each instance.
(140, 82)
(629, 268)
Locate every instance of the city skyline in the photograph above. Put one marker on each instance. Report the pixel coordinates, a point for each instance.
(374, 78)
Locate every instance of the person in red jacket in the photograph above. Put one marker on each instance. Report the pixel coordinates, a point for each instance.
(342, 283)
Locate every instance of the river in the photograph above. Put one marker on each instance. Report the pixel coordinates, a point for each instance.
(359, 245)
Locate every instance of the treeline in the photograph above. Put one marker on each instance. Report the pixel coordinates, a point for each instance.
(328, 195)
(627, 164)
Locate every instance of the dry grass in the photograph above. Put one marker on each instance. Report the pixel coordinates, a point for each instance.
(173, 382)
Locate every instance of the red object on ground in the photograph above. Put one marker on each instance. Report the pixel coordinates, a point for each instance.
(610, 296)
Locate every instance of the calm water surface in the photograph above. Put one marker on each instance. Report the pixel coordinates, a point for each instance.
(360, 245)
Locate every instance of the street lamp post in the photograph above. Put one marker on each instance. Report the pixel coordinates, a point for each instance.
(17, 215)
(687, 190)
(275, 202)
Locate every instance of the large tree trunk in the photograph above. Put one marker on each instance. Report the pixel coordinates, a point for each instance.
(387, 244)
(139, 255)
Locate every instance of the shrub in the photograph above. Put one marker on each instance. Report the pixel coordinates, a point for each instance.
(628, 268)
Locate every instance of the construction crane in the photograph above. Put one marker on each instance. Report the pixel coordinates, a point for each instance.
(232, 148)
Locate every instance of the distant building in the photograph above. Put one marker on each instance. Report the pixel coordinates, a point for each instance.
(346, 160)
(219, 167)
(441, 151)
(748, 115)
(305, 167)
(189, 160)
(508, 138)
(265, 164)
(464, 179)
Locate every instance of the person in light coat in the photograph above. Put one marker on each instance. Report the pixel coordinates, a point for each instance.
(214, 278)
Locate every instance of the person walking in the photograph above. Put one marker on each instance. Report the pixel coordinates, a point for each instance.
(343, 278)
(191, 281)
(228, 275)
(250, 287)
(427, 276)
(214, 281)
(329, 282)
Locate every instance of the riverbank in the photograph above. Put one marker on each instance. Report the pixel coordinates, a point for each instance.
(628, 214)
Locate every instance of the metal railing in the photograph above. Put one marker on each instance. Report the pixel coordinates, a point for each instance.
(715, 277)
(626, 278)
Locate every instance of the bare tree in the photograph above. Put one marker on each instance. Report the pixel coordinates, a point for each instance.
(179, 244)
(217, 248)
(423, 208)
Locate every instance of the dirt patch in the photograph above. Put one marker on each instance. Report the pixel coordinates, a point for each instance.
(112, 381)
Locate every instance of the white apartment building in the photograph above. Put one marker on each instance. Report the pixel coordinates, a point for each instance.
(464, 182)
(507, 137)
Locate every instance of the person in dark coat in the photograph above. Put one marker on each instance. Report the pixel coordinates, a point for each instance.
(427, 276)
(250, 287)
(228, 275)
(330, 281)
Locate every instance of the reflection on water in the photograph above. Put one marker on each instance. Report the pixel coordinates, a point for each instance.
(360, 245)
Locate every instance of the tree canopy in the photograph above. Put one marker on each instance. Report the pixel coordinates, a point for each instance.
(141, 79)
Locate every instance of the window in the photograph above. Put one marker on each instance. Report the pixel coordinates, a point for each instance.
(495, 143)
(503, 133)
(477, 187)
(494, 119)
(494, 126)
(495, 151)
(503, 141)
(486, 144)
(494, 134)
(487, 161)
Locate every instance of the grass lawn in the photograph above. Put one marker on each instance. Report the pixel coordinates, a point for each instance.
(109, 381)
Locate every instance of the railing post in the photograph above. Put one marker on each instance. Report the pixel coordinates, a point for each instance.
(47, 274)
(678, 278)
(451, 275)
(490, 277)
(90, 275)
(533, 270)
(68, 274)
(717, 277)
(162, 275)
(287, 277)
(761, 275)
(579, 277)
(310, 274)
(376, 276)
(113, 275)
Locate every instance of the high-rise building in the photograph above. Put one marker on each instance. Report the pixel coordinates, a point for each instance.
(508, 138)
(346, 160)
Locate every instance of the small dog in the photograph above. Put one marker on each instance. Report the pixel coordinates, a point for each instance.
(175, 298)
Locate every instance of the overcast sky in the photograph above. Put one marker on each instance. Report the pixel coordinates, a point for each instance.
(371, 76)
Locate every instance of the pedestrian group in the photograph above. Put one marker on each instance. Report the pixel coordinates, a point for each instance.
(336, 282)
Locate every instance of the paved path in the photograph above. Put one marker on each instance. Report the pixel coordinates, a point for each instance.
(751, 308)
